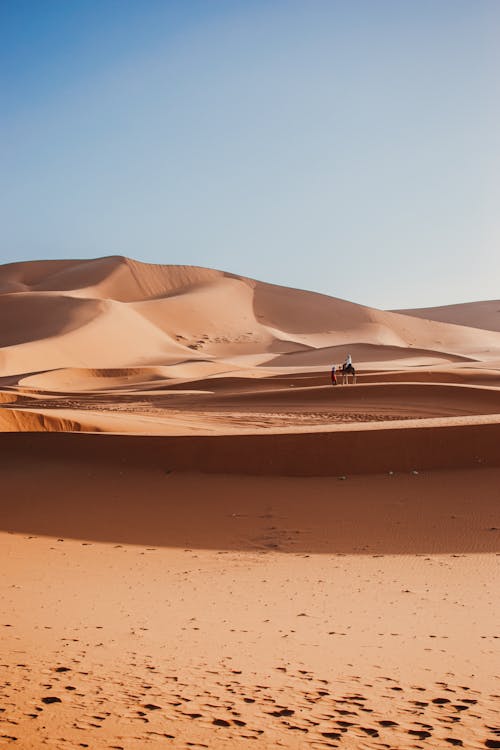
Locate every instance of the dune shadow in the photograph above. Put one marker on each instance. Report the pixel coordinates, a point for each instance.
(437, 512)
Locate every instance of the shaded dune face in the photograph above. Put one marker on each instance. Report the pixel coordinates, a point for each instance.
(339, 516)
(25, 421)
(297, 311)
(26, 317)
(26, 275)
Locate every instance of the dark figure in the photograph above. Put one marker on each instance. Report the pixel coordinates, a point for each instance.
(348, 369)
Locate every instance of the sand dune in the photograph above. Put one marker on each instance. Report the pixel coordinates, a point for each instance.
(204, 543)
(114, 277)
(114, 312)
(82, 379)
(373, 355)
(290, 449)
(7, 398)
(116, 337)
(117, 378)
(28, 317)
(23, 420)
(485, 315)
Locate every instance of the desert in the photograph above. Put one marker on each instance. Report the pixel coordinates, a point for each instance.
(206, 544)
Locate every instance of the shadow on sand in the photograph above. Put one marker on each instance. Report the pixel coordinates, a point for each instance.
(431, 512)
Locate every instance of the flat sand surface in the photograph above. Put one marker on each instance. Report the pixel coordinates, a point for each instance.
(215, 609)
(205, 544)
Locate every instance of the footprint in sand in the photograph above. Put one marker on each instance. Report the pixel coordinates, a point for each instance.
(420, 734)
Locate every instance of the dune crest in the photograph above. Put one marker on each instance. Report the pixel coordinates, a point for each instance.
(485, 314)
(120, 346)
(116, 312)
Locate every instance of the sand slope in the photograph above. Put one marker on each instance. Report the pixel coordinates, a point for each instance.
(484, 314)
(115, 312)
(112, 345)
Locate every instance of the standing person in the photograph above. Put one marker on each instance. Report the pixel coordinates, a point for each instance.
(334, 375)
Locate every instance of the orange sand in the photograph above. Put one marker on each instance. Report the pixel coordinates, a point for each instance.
(204, 544)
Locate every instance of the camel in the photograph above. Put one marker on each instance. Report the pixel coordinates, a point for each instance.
(346, 371)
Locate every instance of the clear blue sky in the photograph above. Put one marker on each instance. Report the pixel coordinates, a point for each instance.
(349, 147)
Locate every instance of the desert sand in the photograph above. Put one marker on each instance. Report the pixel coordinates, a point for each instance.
(205, 544)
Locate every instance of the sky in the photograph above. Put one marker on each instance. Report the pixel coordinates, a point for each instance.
(348, 147)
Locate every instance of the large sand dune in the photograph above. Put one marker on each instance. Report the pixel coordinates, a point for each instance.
(114, 312)
(484, 314)
(205, 544)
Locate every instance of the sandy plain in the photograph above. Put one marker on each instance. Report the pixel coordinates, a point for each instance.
(205, 544)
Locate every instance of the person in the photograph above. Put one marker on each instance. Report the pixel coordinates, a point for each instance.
(348, 368)
(334, 375)
(348, 363)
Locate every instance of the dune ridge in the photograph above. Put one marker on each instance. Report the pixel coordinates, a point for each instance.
(484, 314)
(120, 346)
(379, 447)
(74, 314)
